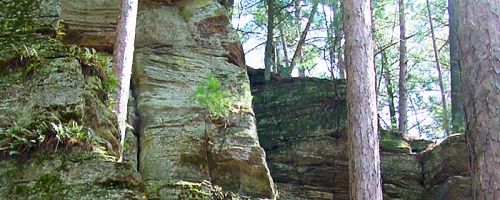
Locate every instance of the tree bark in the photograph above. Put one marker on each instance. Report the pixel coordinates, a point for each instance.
(479, 48)
(446, 126)
(123, 56)
(364, 158)
(457, 109)
(269, 50)
(403, 82)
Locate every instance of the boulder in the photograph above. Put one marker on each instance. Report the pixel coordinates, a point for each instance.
(449, 158)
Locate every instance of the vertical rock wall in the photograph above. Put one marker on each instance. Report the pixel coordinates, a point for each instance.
(178, 151)
(179, 45)
(301, 124)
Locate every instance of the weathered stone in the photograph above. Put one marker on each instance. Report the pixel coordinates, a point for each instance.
(454, 188)
(177, 141)
(419, 145)
(90, 23)
(447, 159)
(56, 90)
(65, 175)
(402, 176)
(301, 125)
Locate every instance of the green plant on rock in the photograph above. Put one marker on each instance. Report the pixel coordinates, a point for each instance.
(98, 64)
(71, 133)
(16, 139)
(214, 98)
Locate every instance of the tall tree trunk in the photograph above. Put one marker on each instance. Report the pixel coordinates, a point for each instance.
(298, 50)
(479, 48)
(364, 158)
(446, 126)
(390, 90)
(403, 82)
(123, 56)
(457, 109)
(269, 50)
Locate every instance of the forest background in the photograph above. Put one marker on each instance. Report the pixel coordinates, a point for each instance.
(321, 54)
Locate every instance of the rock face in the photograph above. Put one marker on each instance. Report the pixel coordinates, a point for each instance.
(59, 92)
(301, 125)
(175, 150)
(446, 170)
(178, 46)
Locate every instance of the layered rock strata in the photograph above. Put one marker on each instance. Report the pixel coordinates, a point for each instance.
(301, 124)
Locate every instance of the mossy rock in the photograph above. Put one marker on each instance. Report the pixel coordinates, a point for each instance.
(391, 141)
(69, 175)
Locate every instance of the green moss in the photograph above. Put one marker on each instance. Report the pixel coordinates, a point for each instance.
(46, 187)
(395, 145)
(50, 186)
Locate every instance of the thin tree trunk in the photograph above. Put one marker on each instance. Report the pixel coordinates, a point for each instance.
(390, 91)
(123, 56)
(364, 158)
(298, 50)
(283, 44)
(337, 41)
(403, 82)
(457, 109)
(278, 60)
(329, 36)
(479, 48)
(446, 127)
(298, 26)
(269, 50)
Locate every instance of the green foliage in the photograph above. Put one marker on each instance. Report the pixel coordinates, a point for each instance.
(18, 140)
(99, 64)
(16, 17)
(60, 31)
(214, 98)
(49, 186)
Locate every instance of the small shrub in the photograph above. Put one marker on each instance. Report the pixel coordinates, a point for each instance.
(214, 98)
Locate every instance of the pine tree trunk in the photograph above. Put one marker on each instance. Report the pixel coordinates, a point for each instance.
(364, 158)
(457, 109)
(403, 82)
(122, 61)
(446, 126)
(269, 50)
(479, 47)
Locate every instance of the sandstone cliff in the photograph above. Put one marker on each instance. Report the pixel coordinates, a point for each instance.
(53, 86)
(174, 151)
(301, 125)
